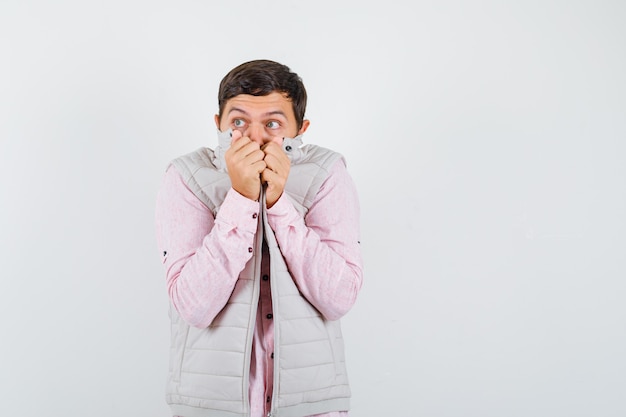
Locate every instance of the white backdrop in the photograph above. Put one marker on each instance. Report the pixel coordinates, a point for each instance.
(487, 140)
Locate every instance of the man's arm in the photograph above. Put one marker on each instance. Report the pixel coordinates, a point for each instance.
(322, 250)
(203, 256)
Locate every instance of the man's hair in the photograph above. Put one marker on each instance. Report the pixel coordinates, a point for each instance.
(260, 78)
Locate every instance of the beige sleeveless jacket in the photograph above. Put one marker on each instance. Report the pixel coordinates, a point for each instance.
(209, 368)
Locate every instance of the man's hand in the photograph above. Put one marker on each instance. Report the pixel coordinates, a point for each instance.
(244, 161)
(276, 172)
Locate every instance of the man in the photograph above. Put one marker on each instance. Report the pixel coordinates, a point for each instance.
(260, 242)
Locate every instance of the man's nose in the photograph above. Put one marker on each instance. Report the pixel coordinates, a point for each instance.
(256, 133)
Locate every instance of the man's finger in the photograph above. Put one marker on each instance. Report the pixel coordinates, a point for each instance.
(269, 176)
(235, 135)
(238, 141)
(271, 147)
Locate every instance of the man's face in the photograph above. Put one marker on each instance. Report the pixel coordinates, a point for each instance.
(263, 119)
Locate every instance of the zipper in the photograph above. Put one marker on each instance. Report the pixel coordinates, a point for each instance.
(253, 311)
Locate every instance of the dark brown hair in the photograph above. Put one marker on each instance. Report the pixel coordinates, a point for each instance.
(260, 78)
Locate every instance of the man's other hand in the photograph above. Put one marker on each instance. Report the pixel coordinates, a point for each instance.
(276, 172)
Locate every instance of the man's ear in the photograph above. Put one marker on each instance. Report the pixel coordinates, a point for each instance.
(305, 126)
(217, 121)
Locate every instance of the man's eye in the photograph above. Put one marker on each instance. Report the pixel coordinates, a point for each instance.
(273, 124)
(238, 123)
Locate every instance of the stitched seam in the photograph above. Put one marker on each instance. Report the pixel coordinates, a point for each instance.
(216, 350)
(210, 374)
(203, 399)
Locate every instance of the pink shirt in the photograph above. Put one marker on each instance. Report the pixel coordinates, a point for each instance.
(203, 257)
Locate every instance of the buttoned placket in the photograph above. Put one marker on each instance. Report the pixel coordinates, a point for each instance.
(267, 323)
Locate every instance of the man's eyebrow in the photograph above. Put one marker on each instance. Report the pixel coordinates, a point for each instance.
(275, 112)
(269, 113)
(237, 109)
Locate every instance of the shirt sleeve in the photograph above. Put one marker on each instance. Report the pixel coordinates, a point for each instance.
(322, 250)
(203, 256)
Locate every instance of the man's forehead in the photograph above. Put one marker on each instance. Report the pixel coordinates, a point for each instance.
(274, 96)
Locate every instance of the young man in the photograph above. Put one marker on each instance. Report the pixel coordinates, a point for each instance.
(260, 243)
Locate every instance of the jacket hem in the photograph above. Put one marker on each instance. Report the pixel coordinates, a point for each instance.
(189, 411)
(309, 409)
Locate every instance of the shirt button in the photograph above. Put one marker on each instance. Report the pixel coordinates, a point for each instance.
(250, 250)
(288, 148)
(268, 399)
(272, 356)
(254, 216)
(265, 277)
(269, 316)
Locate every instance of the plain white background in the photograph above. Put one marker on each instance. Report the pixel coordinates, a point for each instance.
(487, 141)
